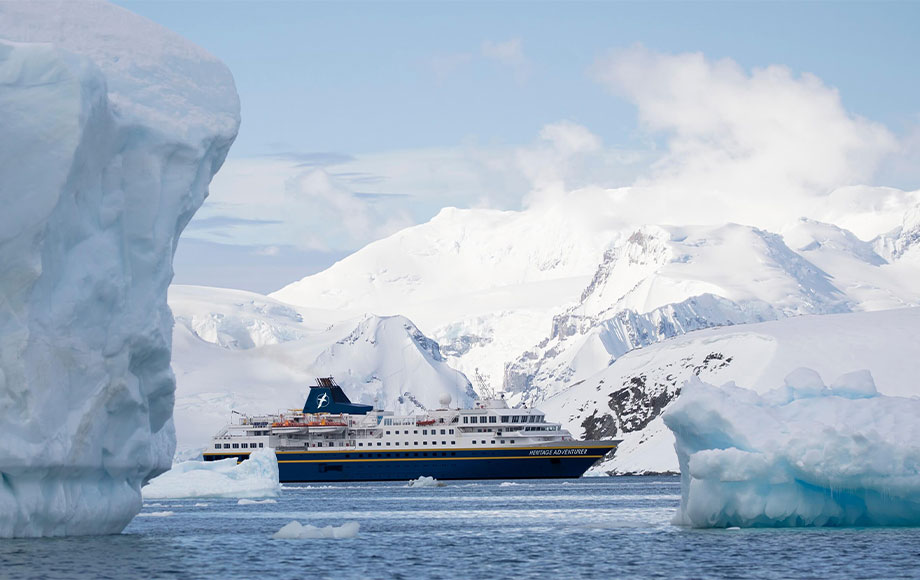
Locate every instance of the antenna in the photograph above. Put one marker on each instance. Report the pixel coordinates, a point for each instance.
(483, 383)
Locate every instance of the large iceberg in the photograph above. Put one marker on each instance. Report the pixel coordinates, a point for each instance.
(804, 454)
(256, 477)
(111, 128)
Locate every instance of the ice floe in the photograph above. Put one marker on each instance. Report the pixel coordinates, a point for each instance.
(257, 477)
(295, 531)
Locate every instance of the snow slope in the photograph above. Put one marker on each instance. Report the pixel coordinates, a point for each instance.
(112, 130)
(626, 399)
(236, 350)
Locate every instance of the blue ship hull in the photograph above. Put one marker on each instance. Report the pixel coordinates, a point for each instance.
(569, 461)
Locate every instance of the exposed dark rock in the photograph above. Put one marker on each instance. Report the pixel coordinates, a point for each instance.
(603, 427)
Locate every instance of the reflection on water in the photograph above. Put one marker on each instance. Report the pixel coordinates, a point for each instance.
(590, 528)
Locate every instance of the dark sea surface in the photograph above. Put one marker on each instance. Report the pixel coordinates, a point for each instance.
(588, 528)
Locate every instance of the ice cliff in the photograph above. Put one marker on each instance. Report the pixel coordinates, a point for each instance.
(111, 128)
(801, 455)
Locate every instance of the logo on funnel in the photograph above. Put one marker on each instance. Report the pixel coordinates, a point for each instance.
(322, 400)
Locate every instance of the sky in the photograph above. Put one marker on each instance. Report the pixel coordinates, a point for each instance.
(360, 119)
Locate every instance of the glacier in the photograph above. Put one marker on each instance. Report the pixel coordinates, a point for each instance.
(803, 454)
(112, 130)
(256, 477)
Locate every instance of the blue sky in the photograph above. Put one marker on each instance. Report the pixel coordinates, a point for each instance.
(363, 87)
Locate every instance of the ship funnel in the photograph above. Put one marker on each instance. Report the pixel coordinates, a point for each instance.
(326, 396)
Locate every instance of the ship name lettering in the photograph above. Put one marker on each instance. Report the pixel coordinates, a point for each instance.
(581, 451)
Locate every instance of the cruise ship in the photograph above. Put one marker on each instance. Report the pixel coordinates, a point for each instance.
(333, 439)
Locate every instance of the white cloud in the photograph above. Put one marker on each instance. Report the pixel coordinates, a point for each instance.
(740, 143)
(509, 53)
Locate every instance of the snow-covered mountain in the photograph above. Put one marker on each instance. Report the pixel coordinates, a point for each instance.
(664, 281)
(535, 300)
(480, 282)
(625, 399)
(236, 350)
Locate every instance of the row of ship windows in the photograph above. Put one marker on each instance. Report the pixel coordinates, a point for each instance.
(424, 432)
(397, 443)
(505, 419)
(238, 446)
(414, 443)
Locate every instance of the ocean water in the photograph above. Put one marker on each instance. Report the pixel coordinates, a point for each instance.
(587, 528)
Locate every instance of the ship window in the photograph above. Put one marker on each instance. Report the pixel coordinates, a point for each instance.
(442, 431)
(378, 444)
(261, 445)
(244, 445)
(388, 432)
(415, 443)
(397, 443)
(504, 418)
(415, 431)
(510, 440)
(483, 419)
(360, 444)
(466, 419)
(406, 432)
(473, 419)
(503, 440)
(453, 442)
(493, 442)
(443, 442)
(236, 445)
(515, 419)
(474, 443)
(493, 419)
(424, 431)
(423, 454)
(424, 443)
(451, 431)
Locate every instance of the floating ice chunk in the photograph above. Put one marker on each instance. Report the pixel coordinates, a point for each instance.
(510, 484)
(257, 477)
(155, 514)
(296, 531)
(801, 455)
(425, 481)
(255, 501)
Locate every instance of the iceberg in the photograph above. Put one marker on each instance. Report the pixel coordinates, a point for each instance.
(257, 477)
(804, 454)
(112, 128)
